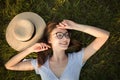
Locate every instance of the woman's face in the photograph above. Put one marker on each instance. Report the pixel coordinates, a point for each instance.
(59, 39)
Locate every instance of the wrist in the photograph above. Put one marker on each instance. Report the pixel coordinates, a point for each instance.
(76, 26)
(28, 50)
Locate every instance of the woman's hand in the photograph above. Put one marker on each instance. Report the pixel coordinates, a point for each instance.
(67, 24)
(37, 47)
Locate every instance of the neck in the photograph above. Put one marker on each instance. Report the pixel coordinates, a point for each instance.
(58, 56)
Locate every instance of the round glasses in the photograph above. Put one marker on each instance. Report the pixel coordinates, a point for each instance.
(60, 35)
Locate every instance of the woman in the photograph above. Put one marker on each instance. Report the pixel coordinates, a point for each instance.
(59, 65)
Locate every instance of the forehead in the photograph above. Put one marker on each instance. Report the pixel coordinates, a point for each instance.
(59, 30)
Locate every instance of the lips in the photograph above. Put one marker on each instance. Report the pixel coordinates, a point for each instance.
(64, 43)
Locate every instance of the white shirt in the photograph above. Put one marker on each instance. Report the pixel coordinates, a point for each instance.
(71, 72)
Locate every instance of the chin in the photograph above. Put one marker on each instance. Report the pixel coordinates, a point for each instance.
(64, 48)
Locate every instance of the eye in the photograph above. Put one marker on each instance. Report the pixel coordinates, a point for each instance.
(59, 35)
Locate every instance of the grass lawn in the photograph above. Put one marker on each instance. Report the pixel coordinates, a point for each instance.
(105, 14)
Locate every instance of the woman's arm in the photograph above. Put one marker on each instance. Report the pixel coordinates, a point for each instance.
(100, 34)
(101, 37)
(15, 62)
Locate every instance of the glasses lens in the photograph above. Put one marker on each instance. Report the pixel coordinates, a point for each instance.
(67, 35)
(59, 35)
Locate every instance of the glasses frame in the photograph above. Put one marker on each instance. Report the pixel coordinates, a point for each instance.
(66, 35)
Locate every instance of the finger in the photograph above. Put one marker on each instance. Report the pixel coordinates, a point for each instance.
(65, 21)
(61, 24)
(49, 46)
(45, 46)
(58, 26)
(41, 46)
(65, 24)
(61, 27)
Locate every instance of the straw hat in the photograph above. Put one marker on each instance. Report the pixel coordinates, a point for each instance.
(24, 30)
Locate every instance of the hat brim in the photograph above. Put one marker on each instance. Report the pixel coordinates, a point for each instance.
(39, 25)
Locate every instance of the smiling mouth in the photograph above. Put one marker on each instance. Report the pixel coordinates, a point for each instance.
(64, 43)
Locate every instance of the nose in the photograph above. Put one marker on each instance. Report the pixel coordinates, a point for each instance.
(64, 38)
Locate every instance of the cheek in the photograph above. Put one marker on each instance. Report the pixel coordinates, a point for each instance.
(54, 41)
(69, 41)
(55, 44)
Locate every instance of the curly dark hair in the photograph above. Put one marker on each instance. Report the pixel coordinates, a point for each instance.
(74, 45)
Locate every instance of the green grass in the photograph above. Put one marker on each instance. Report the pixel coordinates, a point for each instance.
(105, 14)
